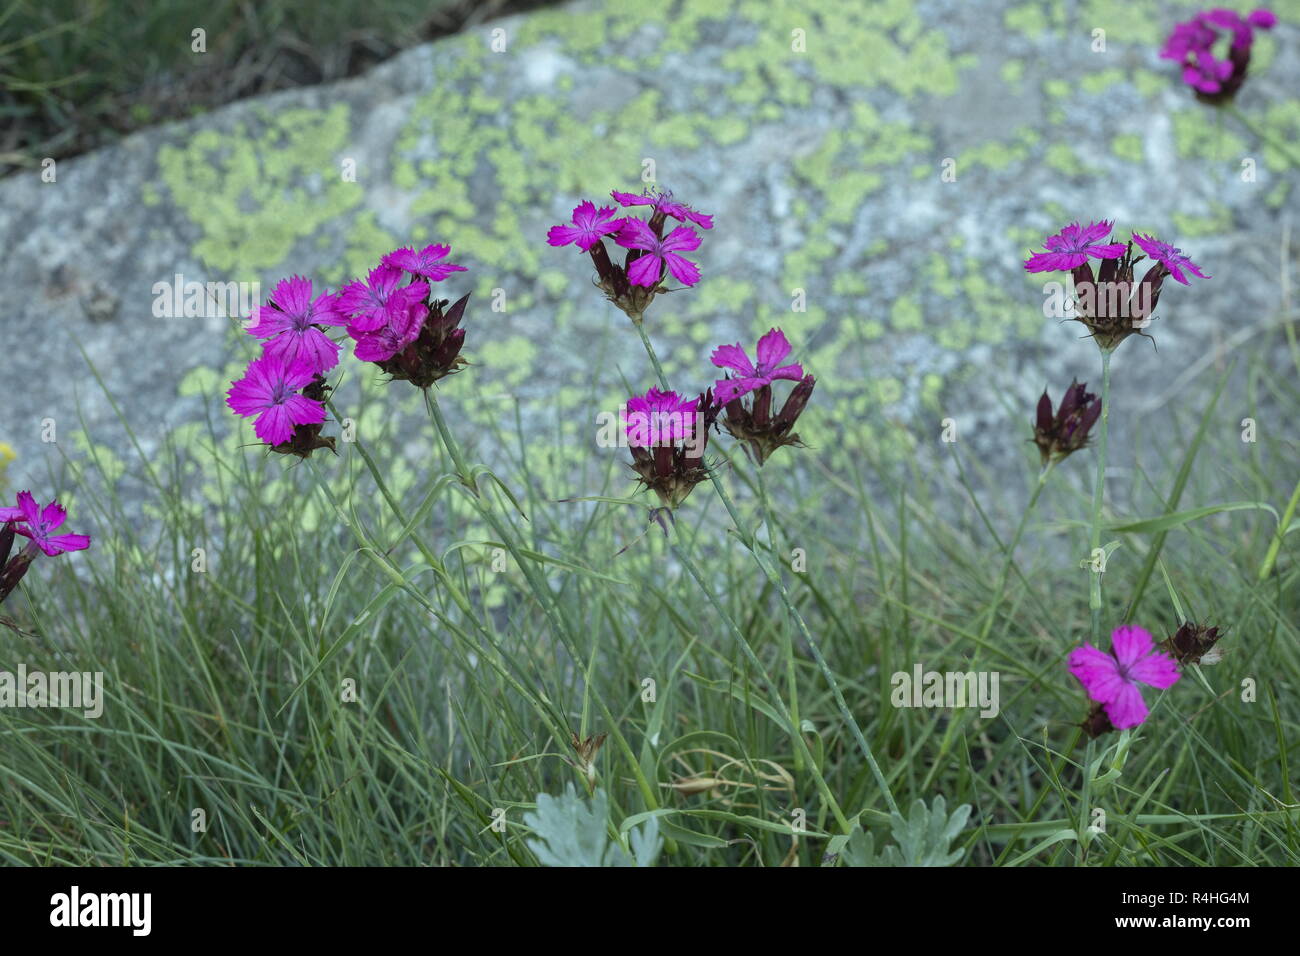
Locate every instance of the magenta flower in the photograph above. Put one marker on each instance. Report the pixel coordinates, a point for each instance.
(290, 324)
(772, 349)
(589, 225)
(658, 419)
(427, 262)
(668, 437)
(1191, 44)
(647, 269)
(1169, 257)
(395, 335)
(1072, 246)
(1112, 679)
(38, 524)
(662, 202)
(381, 298)
(269, 390)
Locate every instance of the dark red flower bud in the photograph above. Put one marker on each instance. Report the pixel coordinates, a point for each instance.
(757, 429)
(435, 353)
(307, 438)
(1097, 722)
(1059, 435)
(1193, 644)
(6, 541)
(14, 570)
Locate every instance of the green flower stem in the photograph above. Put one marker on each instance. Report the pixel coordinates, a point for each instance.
(1098, 492)
(449, 442)
(1008, 563)
(1266, 568)
(650, 351)
(801, 745)
(1054, 771)
(787, 642)
(747, 538)
(392, 502)
(1268, 138)
(1009, 560)
(545, 596)
(487, 650)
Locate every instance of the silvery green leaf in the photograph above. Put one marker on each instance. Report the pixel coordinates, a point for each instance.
(646, 842)
(571, 832)
(860, 850)
(923, 838)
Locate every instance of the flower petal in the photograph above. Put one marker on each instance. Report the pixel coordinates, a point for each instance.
(734, 358)
(1097, 671)
(1128, 709)
(1158, 670)
(772, 347)
(1130, 644)
(645, 271)
(683, 270)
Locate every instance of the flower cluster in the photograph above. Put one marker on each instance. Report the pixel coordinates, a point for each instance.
(667, 433)
(391, 317)
(37, 524)
(284, 388)
(652, 255)
(398, 324)
(1112, 303)
(1216, 79)
(752, 422)
(667, 436)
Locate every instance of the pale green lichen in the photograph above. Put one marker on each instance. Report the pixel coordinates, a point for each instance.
(255, 194)
(1128, 146)
(252, 197)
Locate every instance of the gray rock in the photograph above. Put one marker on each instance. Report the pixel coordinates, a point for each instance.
(823, 169)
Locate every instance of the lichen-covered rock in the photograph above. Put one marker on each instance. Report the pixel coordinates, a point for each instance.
(877, 173)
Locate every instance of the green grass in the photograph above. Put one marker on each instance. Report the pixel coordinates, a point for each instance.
(225, 687)
(74, 74)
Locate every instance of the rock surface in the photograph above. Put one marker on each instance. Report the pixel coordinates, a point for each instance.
(817, 132)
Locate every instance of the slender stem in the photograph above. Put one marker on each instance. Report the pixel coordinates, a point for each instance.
(541, 590)
(1043, 793)
(1098, 491)
(1266, 568)
(747, 537)
(787, 642)
(801, 745)
(650, 351)
(1009, 560)
(1267, 137)
(1081, 845)
(449, 442)
(392, 502)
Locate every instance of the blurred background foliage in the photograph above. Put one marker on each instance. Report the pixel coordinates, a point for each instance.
(76, 74)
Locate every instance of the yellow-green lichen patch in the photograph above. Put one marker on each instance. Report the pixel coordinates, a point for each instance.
(1099, 82)
(254, 195)
(1033, 19)
(1128, 146)
(1012, 72)
(1137, 22)
(1218, 222)
(1200, 133)
(905, 315)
